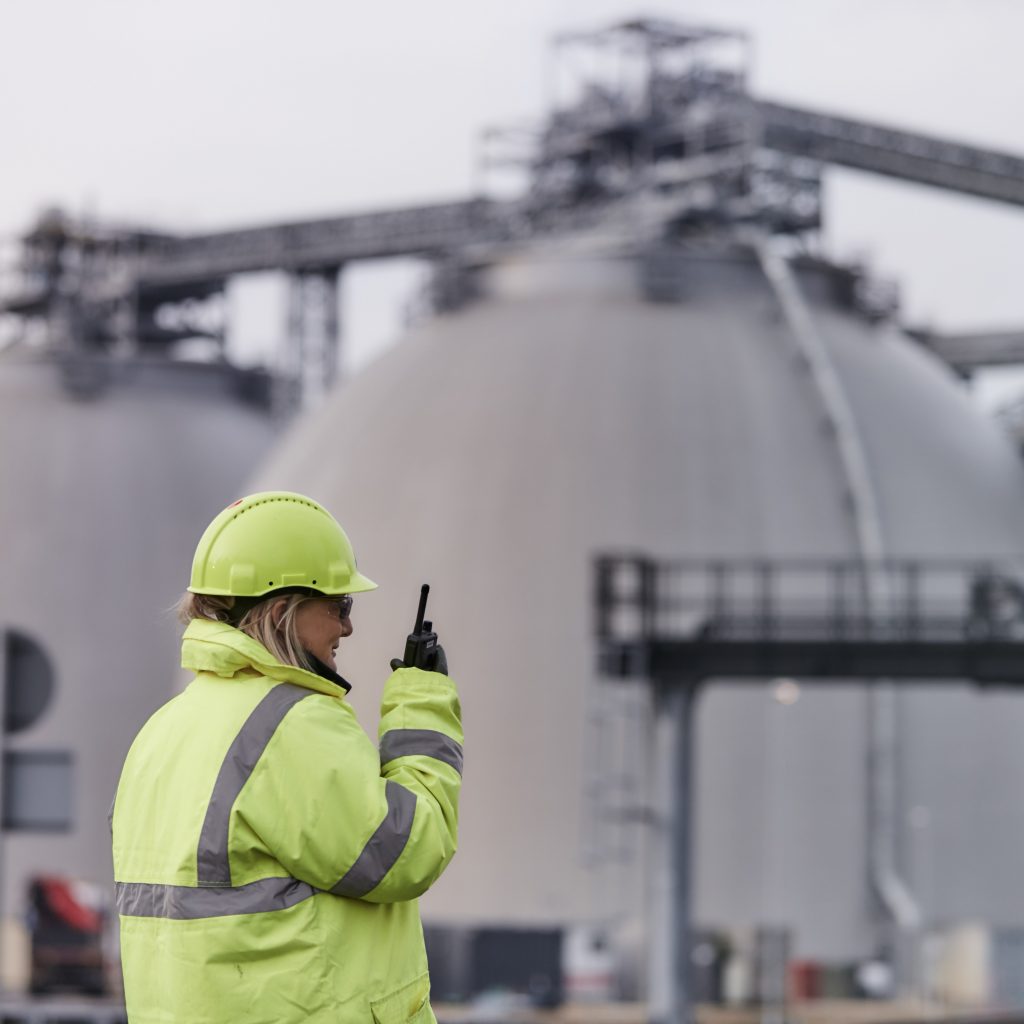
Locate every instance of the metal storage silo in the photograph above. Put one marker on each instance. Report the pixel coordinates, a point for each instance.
(657, 401)
(101, 503)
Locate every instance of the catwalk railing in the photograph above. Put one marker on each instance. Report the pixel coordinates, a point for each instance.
(951, 620)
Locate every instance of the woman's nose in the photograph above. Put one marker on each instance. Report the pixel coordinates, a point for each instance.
(346, 627)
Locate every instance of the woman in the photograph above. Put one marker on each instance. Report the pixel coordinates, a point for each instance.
(267, 857)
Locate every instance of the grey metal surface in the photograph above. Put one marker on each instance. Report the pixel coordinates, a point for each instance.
(37, 788)
(101, 504)
(496, 450)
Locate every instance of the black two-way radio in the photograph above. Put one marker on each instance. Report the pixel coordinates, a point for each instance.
(421, 643)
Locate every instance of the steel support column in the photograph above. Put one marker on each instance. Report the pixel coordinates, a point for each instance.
(310, 359)
(670, 995)
(332, 326)
(285, 396)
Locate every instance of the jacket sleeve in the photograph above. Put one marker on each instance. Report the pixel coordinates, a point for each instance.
(344, 818)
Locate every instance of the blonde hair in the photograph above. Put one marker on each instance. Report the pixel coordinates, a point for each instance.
(281, 639)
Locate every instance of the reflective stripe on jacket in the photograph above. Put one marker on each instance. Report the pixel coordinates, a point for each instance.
(267, 857)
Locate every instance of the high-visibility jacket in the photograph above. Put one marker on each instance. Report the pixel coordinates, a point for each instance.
(267, 858)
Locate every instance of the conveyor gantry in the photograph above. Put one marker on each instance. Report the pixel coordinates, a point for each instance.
(684, 136)
(328, 242)
(434, 229)
(893, 152)
(430, 230)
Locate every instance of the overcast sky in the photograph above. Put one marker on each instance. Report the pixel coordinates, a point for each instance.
(194, 115)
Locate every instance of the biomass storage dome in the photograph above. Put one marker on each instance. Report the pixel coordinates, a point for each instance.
(101, 505)
(592, 401)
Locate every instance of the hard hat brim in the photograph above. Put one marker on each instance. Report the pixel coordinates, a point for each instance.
(358, 584)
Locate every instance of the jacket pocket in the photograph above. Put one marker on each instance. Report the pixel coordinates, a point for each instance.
(407, 1005)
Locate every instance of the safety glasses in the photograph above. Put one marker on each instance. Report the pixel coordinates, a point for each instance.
(342, 606)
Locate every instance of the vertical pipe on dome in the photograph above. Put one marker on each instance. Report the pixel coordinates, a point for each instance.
(892, 891)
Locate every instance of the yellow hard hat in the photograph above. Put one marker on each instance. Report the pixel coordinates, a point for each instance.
(275, 540)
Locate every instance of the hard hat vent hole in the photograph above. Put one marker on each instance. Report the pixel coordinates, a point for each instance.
(270, 583)
(314, 581)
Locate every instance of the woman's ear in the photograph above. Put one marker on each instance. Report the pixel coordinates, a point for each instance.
(277, 610)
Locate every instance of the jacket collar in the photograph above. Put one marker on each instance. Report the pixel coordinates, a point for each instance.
(216, 647)
(328, 673)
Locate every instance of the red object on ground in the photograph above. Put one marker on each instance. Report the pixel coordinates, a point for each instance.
(62, 903)
(804, 980)
(67, 923)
